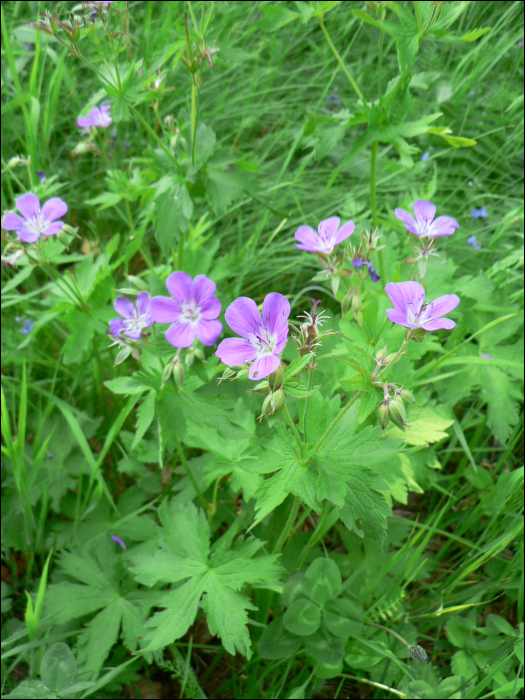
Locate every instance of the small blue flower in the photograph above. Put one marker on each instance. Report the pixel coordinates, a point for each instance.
(41, 174)
(333, 98)
(479, 213)
(425, 155)
(357, 263)
(474, 243)
(471, 93)
(27, 327)
(470, 183)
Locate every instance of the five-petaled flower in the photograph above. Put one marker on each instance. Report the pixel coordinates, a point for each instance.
(424, 224)
(410, 311)
(36, 220)
(99, 116)
(193, 310)
(134, 318)
(262, 338)
(328, 235)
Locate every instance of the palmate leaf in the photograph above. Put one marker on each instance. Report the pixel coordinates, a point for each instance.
(216, 577)
(292, 476)
(119, 612)
(345, 477)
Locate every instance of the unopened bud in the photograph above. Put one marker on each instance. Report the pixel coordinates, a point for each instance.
(178, 374)
(356, 303)
(381, 355)
(123, 355)
(227, 374)
(267, 408)
(166, 375)
(242, 374)
(384, 415)
(397, 411)
(418, 653)
(389, 358)
(347, 302)
(276, 379)
(70, 230)
(261, 386)
(62, 237)
(407, 396)
(13, 162)
(277, 399)
(190, 357)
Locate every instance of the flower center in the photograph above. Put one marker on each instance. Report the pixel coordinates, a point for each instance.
(35, 224)
(190, 312)
(263, 341)
(137, 322)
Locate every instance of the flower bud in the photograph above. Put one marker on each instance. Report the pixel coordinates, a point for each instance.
(190, 357)
(267, 408)
(276, 379)
(70, 230)
(166, 375)
(356, 303)
(381, 355)
(13, 162)
(397, 411)
(384, 415)
(407, 396)
(242, 374)
(227, 374)
(277, 399)
(389, 358)
(178, 374)
(347, 302)
(261, 386)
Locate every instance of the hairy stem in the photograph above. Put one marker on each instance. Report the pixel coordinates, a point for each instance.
(373, 202)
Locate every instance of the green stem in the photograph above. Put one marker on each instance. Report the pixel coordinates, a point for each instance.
(187, 467)
(385, 629)
(340, 60)
(156, 138)
(292, 425)
(288, 525)
(418, 16)
(373, 202)
(314, 537)
(180, 258)
(336, 420)
(310, 379)
(194, 91)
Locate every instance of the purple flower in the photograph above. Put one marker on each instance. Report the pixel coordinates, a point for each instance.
(486, 357)
(358, 262)
(409, 310)
(474, 243)
(329, 235)
(426, 155)
(262, 339)
(97, 117)
(119, 541)
(41, 174)
(134, 319)
(193, 310)
(36, 220)
(424, 225)
(479, 213)
(373, 273)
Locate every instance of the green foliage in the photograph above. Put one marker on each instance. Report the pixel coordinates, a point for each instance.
(230, 129)
(217, 574)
